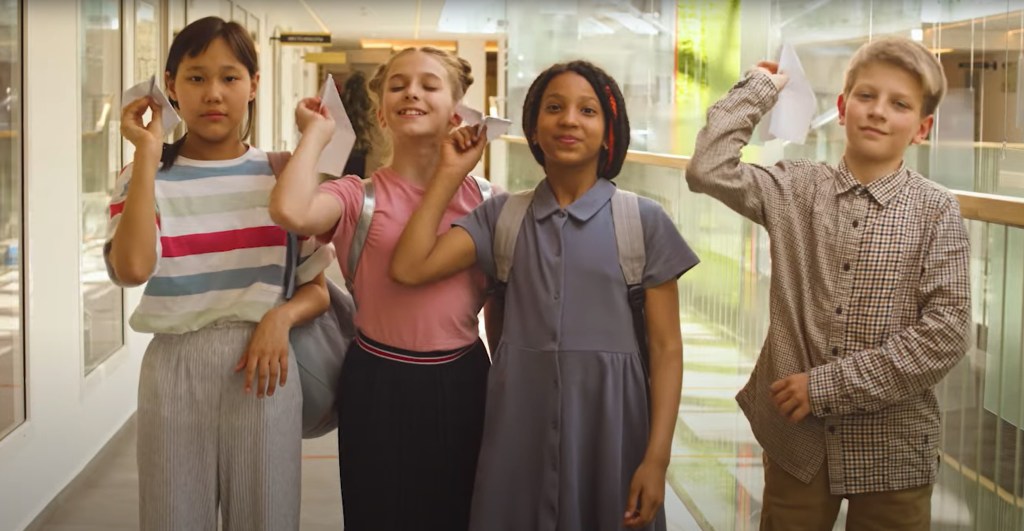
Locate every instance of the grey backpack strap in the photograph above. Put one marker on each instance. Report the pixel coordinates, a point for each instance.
(506, 231)
(355, 251)
(486, 190)
(629, 236)
(278, 160)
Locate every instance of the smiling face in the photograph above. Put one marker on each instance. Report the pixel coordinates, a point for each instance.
(213, 91)
(417, 98)
(882, 114)
(570, 124)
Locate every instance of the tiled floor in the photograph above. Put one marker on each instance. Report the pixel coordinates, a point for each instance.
(107, 498)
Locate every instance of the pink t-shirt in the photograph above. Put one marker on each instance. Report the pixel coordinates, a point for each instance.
(438, 316)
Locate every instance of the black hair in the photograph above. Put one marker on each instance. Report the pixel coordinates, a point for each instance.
(193, 40)
(359, 107)
(613, 106)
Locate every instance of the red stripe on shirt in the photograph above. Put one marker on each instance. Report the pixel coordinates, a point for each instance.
(116, 208)
(217, 242)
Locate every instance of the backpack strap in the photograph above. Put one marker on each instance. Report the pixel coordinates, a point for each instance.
(629, 236)
(278, 160)
(506, 231)
(486, 190)
(355, 251)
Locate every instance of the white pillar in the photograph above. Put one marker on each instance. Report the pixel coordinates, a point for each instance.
(474, 51)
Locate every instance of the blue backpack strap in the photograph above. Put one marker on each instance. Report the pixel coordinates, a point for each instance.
(362, 230)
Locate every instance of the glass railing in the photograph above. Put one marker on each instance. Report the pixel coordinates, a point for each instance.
(716, 469)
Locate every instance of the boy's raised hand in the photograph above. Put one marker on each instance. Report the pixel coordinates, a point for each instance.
(772, 69)
(145, 137)
(314, 121)
(462, 150)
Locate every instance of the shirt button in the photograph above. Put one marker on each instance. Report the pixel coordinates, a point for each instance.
(839, 310)
(856, 224)
(846, 267)
(835, 351)
(554, 424)
(561, 213)
(831, 429)
(557, 296)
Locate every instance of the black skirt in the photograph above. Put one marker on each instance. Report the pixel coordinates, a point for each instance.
(408, 436)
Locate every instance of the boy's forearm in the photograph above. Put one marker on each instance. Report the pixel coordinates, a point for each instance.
(716, 168)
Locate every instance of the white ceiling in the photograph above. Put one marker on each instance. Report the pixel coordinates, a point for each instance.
(350, 20)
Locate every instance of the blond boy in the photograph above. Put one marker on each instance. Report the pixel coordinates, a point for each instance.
(870, 295)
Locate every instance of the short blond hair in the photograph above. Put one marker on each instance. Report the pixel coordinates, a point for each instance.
(908, 55)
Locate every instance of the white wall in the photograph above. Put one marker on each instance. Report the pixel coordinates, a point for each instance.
(70, 417)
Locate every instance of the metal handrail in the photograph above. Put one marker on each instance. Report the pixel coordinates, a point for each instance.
(989, 208)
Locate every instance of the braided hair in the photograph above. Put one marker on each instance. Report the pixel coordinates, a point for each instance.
(613, 106)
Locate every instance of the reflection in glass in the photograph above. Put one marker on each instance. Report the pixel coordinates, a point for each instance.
(977, 144)
(102, 301)
(12, 374)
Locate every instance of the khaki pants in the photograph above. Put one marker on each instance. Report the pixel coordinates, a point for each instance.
(792, 505)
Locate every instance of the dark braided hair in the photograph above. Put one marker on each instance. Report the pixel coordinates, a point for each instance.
(613, 106)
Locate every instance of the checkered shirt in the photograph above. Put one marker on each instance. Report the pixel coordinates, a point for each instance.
(870, 295)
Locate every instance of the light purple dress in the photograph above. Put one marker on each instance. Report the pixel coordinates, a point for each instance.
(566, 422)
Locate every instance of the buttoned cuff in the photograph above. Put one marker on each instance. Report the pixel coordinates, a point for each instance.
(824, 391)
(762, 87)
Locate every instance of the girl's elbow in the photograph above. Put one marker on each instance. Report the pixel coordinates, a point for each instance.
(283, 218)
(131, 274)
(405, 276)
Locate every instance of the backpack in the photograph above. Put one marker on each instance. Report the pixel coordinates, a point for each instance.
(629, 240)
(320, 345)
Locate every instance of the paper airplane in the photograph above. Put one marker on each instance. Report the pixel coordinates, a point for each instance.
(335, 154)
(795, 109)
(169, 118)
(495, 126)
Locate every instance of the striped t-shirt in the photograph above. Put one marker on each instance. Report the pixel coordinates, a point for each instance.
(219, 255)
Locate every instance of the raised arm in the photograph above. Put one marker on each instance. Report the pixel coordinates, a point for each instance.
(421, 257)
(716, 169)
(296, 204)
(132, 249)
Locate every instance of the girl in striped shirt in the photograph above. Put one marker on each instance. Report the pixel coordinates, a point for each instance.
(191, 218)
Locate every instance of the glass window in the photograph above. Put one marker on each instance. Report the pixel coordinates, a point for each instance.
(103, 307)
(147, 40)
(12, 374)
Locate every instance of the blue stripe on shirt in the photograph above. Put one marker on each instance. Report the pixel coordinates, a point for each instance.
(189, 173)
(217, 280)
